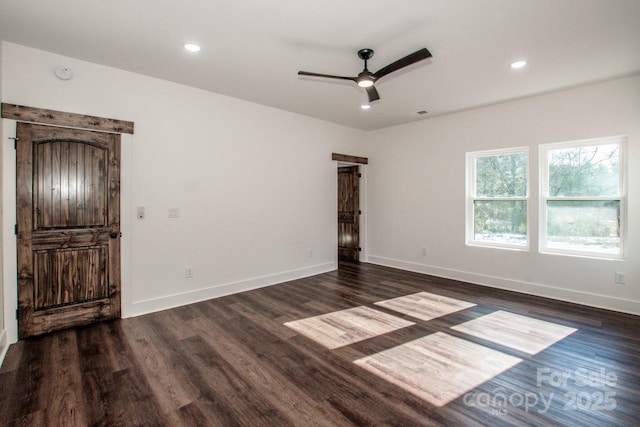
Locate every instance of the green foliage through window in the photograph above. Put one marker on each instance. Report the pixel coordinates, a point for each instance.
(500, 220)
(583, 201)
(499, 200)
(502, 175)
(584, 225)
(584, 171)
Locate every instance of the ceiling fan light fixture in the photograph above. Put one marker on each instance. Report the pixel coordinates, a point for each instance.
(366, 78)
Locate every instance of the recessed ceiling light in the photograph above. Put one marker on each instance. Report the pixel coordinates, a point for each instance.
(192, 47)
(518, 64)
(365, 106)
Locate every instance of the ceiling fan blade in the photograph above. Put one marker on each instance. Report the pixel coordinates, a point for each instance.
(327, 76)
(401, 63)
(372, 93)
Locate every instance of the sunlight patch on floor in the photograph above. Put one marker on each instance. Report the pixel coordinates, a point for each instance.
(424, 305)
(439, 367)
(340, 328)
(515, 331)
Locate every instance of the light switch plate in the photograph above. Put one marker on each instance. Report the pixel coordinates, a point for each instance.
(140, 212)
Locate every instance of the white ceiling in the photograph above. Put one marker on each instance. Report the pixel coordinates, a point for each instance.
(252, 49)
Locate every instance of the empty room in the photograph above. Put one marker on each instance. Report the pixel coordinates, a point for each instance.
(281, 213)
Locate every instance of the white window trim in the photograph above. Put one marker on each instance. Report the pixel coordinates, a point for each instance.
(470, 192)
(543, 150)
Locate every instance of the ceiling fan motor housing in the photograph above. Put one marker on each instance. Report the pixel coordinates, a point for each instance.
(365, 54)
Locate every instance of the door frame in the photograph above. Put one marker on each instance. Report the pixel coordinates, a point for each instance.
(364, 241)
(9, 286)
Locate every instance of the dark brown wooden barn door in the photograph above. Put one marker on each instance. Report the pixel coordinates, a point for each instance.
(348, 213)
(68, 202)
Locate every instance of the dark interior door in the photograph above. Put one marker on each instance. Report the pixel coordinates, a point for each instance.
(348, 213)
(68, 208)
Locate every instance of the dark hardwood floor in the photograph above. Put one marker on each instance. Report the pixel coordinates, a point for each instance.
(231, 361)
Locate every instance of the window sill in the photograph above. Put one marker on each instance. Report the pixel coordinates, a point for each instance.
(498, 246)
(588, 255)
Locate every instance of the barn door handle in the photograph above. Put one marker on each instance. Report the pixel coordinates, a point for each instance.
(115, 234)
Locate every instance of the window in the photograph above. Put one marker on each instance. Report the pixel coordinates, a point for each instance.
(583, 198)
(497, 198)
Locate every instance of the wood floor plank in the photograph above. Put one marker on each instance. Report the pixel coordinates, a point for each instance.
(13, 357)
(64, 396)
(232, 362)
(166, 379)
(25, 391)
(137, 403)
(256, 380)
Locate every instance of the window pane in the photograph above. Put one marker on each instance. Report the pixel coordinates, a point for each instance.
(502, 175)
(500, 221)
(592, 226)
(584, 171)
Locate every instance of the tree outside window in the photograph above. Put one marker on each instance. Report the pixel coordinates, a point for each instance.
(582, 200)
(497, 198)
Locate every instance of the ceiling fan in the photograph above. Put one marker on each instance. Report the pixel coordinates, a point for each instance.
(366, 78)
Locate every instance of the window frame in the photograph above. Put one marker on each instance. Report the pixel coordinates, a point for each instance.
(471, 197)
(543, 155)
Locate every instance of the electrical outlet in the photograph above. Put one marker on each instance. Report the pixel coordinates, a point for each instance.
(424, 251)
(188, 272)
(310, 253)
(174, 212)
(619, 278)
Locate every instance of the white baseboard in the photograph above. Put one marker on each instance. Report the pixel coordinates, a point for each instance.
(139, 308)
(569, 295)
(4, 345)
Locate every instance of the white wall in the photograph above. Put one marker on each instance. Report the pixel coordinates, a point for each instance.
(417, 193)
(255, 186)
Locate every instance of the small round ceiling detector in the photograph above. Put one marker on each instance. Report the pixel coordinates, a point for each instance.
(64, 73)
